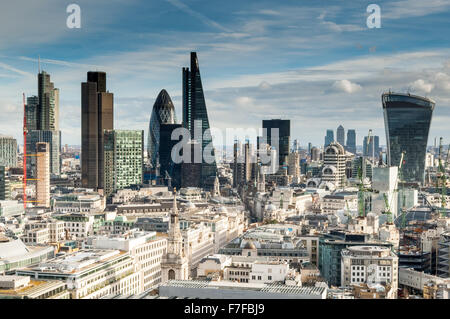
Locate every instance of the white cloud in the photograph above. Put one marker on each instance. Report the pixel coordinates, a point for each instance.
(346, 86)
(422, 86)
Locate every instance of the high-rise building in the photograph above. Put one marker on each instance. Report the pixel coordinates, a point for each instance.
(163, 112)
(8, 151)
(334, 160)
(284, 137)
(407, 121)
(294, 166)
(43, 174)
(242, 164)
(5, 190)
(123, 158)
(97, 115)
(329, 138)
(195, 116)
(315, 154)
(31, 110)
(53, 138)
(48, 110)
(165, 155)
(340, 135)
(371, 147)
(351, 141)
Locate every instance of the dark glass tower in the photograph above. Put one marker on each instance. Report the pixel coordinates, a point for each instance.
(351, 141)
(97, 115)
(194, 109)
(340, 135)
(284, 137)
(407, 120)
(329, 138)
(165, 151)
(163, 112)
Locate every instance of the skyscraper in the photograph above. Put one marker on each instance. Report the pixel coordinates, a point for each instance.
(48, 110)
(165, 155)
(371, 147)
(43, 174)
(53, 138)
(351, 141)
(163, 112)
(329, 138)
(407, 121)
(340, 135)
(8, 151)
(123, 159)
(284, 137)
(5, 188)
(31, 110)
(97, 115)
(195, 113)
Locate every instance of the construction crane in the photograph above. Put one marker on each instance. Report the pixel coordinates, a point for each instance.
(442, 179)
(403, 197)
(362, 176)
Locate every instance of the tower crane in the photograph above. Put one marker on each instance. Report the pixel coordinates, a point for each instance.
(442, 178)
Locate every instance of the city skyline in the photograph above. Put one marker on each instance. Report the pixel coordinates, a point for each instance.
(342, 61)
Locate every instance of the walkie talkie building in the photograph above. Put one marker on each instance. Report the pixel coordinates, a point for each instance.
(407, 120)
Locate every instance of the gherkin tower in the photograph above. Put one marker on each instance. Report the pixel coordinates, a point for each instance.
(163, 113)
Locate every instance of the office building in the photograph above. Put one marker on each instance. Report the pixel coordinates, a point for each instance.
(8, 151)
(53, 138)
(195, 117)
(5, 190)
(170, 171)
(284, 138)
(407, 121)
(43, 175)
(294, 166)
(329, 138)
(48, 97)
(334, 160)
(31, 110)
(97, 115)
(351, 141)
(123, 159)
(163, 112)
(242, 164)
(340, 135)
(376, 266)
(371, 147)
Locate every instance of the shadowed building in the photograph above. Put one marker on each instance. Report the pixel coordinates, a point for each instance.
(195, 113)
(284, 137)
(351, 141)
(340, 135)
(407, 121)
(97, 115)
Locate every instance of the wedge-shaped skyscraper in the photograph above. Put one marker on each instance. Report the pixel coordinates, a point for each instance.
(407, 120)
(195, 115)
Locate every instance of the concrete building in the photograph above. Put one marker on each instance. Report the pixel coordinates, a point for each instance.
(90, 274)
(78, 203)
(145, 248)
(8, 151)
(22, 287)
(5, 187)
(236, 290)
(294, 166)
(375, 266)
(334, 164)
(385, 184)
(14, 254)
(43, 175)
(418, 281)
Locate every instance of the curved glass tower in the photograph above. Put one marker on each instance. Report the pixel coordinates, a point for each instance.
(407, 120)
(163, 113)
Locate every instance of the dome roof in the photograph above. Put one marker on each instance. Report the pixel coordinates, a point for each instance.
(249, 245)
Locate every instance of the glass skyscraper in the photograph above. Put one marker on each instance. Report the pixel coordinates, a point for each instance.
(340, 135)
(195, 113)
(351, 141)
(163, 112)
(329, 138)
(284, 137)
(407, 120)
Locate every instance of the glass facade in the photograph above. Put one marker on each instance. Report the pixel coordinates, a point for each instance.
(284, 133)
(407, 120)
(329, 138)
(163, 113)
(195, 113)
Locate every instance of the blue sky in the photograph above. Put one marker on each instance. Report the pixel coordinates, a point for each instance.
(314, 62)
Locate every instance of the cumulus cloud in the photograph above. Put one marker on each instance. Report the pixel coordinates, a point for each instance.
(264, 85)
(422, 86)
(346, 86)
